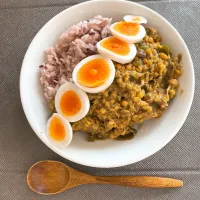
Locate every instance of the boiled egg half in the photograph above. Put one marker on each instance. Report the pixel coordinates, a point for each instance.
(117, 50)
(135, 19)
(71, 102)
(94, 74)
(128, 31)
(59, 131)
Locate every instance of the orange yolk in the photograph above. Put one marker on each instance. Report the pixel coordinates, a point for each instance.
(57, 129)
(127, 28)
(70, 103)
(116, 46)
(136, 19)
(94, 73)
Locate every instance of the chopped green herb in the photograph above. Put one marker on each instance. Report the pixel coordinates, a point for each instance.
(132, 78)
(180, 56)
(133, 129)
(144, 47)
(137, 63)
(128, 136)
(165, 49)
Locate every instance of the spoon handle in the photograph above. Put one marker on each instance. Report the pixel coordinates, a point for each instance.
(140, 181)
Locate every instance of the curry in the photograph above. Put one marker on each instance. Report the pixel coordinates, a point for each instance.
(141, 90)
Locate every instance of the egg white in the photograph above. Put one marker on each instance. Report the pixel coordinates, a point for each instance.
(68, 132)
(116, 57)
(129, 39)
(85, 103)
(129, 18)
(100, 88)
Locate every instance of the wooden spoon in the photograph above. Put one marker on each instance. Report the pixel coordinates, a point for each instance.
(52, 177)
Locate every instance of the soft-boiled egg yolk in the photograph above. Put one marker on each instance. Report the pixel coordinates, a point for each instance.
(94, 73)
(70, 103)
(127, 28)
(135, 19)
(128, 31)
(117, 50)
(116, 46)
(59, 131)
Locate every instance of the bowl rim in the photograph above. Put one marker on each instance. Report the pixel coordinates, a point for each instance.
(130, 160)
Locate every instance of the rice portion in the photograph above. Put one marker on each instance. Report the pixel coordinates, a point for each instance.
(78, 42)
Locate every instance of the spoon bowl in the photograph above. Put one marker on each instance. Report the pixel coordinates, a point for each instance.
(48, 177)
(52, 177)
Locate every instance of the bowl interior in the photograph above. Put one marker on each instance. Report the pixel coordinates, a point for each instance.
(155, 134)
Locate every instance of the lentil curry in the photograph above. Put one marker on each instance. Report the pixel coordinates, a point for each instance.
(141, 90)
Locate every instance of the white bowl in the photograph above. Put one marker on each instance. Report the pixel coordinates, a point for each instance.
(157, 132)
